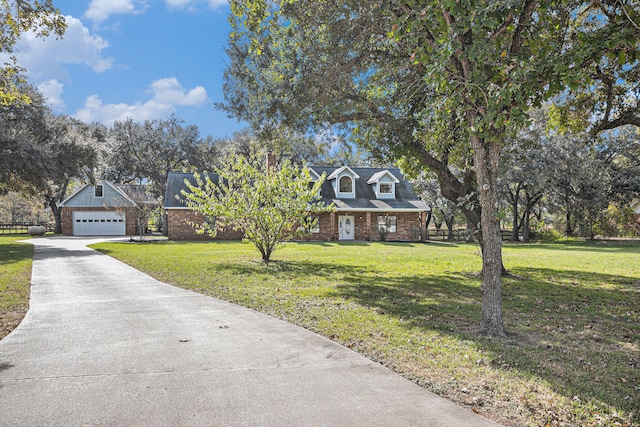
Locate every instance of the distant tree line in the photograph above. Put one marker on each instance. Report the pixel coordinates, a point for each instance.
(555, 184)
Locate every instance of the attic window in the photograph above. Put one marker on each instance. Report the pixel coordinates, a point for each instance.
(386, 188)
(384, 184)
(346, 185)
(97, 191)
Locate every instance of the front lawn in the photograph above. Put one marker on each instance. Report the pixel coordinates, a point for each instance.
(15, 281)
(573, 310)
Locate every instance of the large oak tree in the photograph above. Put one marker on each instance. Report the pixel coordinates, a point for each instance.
(18, 17)
(432, 82)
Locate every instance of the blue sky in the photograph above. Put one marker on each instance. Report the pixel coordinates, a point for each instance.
(144, 59)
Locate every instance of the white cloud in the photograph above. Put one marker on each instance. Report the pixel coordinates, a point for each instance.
(170, 91)
(167, 94)
(96, 111)
(181, 3)
(100, 10)
(214, 4)
(44, 58)
(190, 4)
(52, 91)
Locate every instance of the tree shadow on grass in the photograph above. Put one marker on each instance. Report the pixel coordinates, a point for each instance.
(578, 332)
(595, 246)
(15, 252)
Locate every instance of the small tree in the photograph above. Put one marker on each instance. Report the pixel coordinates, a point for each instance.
(267, 204)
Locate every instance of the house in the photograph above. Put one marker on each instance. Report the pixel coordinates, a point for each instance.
(104, 209)
(371, 204)
(180, 219)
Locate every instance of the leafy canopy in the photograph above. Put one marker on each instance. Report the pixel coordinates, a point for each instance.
(16, 18)
(267, 205)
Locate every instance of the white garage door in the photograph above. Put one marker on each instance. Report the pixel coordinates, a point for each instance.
(99, 224)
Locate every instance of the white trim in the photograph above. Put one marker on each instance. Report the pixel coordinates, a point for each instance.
(73, 195)
(313, 174)
(119, 191)
(110, 184)
(378, 175)
(380, 195)
(339, 171)
(381, 210)
(376, 180)
(346, 194)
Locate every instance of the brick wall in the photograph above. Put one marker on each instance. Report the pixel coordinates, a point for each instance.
(180, 227)
(409, 227)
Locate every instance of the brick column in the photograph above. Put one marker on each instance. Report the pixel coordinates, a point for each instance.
(332, 218)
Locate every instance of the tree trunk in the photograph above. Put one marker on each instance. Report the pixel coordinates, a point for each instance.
(427, 222)
(449, 223)
(568, 230)
(57, 214)
(486, 156)
(516, 222)
(515, 199)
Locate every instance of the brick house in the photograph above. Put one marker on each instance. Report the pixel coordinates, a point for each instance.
(103, 209)
(371, 204)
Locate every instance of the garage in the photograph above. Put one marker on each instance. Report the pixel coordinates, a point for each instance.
(99, 223)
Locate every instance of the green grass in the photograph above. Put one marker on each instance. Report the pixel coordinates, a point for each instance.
(573, 311)
(15, 281)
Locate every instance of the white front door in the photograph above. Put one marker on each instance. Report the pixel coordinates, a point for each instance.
(346, 227)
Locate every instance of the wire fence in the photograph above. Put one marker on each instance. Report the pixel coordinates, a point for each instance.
(459, 235)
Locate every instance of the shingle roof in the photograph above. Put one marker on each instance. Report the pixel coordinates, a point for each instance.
(139, 194)
(175, 185)
(366, 200)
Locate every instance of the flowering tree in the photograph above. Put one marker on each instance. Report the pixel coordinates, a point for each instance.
(268, 204)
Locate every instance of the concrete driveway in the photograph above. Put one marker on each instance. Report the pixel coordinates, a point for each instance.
(104, 344)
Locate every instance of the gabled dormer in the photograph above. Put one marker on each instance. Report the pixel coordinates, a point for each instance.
(344, 182)
(314, 178)
(384, 184)
(313, 175)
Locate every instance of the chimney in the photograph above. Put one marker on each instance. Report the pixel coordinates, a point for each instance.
(271, 161)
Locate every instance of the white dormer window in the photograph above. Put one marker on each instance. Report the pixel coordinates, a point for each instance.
(344, 182)
(386, 188)
(384, 184)
(98, 191)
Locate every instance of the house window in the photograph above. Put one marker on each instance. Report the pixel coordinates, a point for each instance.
(314, 224)
(345, 185)
(311, 224)
(97, 191)
(387, 224)
(386, 188)
(210, 221)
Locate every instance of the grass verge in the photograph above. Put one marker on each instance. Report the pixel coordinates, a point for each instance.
(15, 281)
(573, 311)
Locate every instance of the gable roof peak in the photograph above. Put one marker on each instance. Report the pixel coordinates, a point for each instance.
(314, 175)
(338, 171)
(378, 175)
